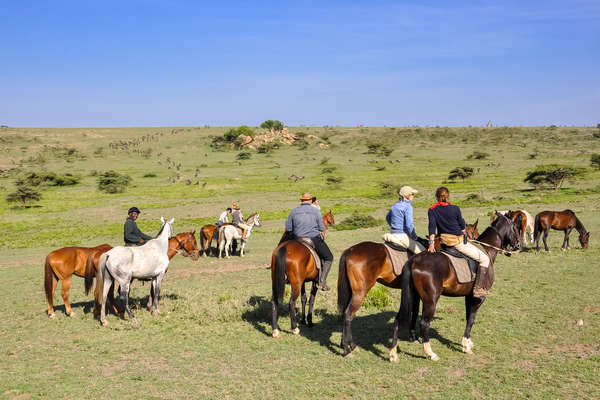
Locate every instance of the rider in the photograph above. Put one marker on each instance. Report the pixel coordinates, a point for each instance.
(315, 203)
(306, 221)
(448, 221)
(132, 234)
(237, 219)
(400, 220)
(224, 217)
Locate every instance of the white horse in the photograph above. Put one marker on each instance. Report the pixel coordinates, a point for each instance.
(123, 264)
(230, 232)
(530, 223)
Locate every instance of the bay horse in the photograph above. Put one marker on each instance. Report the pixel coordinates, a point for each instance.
(230, 232)
(123, 264)
(427, 276)
(361, 266)
(62, 264)
(560, 221)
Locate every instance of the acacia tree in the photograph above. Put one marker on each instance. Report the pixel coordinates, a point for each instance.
(461, 172)
(24, 195)
(552, 175)
(272, 125)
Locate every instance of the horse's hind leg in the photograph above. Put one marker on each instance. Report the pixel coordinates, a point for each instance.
(311, 303)
(293, 297)
(51, 298)
(274, 324)
(303, 301)
(544, 240)
(156, 284)
(66, 285)
(472, 304)
(124, 295)
(347, 341)
(108, 285)
(427, 317)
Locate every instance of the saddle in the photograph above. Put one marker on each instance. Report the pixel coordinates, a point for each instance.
(465, 267)
(398, 255)
(308, 243)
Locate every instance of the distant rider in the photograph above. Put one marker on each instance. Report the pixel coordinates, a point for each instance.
(450, 225)
(306, 221)
(400, 220)
(237, 219)
(224, 217)
(132, 234)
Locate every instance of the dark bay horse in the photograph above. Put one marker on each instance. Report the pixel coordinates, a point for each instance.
(361, 266)
(62, 264)
(560, 221)
(427, 276)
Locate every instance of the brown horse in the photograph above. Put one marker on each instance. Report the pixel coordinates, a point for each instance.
(61, 264)
(427, 276)
(207, 234)
(361, 266)
(560, 221)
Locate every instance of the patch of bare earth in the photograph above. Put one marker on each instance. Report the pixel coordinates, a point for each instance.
(591, 309)
(456, 373)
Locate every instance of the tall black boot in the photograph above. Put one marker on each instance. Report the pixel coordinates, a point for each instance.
(481, 287)
(325, 267)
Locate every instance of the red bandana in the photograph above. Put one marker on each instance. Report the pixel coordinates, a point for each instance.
(439, 204)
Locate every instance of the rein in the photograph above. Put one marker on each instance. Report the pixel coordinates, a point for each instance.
(181, 247)
(503, 251)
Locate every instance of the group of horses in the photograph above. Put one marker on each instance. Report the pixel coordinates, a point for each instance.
(424, 277)
(227, 235)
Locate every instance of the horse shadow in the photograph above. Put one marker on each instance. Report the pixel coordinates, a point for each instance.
(136, 303)
(370, 332)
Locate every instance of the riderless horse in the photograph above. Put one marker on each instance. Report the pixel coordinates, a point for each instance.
(229, 232)
(427, 276)
(560, 221)
(526, 222)
(361, 266)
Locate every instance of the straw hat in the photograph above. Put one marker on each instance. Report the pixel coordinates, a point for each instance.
(406, 191)
(235, 206)
(306, 196)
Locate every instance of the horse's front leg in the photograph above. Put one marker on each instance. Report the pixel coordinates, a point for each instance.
(156, 285)
(303, 300)
(242, 247)
(565, 244)
(472, 304)
(311, 303)
(227, 247)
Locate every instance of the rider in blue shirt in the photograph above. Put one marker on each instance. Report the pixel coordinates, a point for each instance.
(400, 220)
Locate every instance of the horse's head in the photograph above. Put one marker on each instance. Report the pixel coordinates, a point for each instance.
(508, 231)
(328, 217)
(471, 230)
(584, 239)
(254, 220)
(190, 245)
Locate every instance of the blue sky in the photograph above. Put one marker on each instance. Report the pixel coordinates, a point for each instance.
(373, 63)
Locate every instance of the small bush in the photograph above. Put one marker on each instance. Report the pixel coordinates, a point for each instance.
(328, 170)
(379, 149)
(48, 179)
(69, 154)
(378, 297)
(113, 182)
(388, 189)
(24, 195)
(272, 125)
(595, 161)
(324, 161)
(335, 179)
(302, 144)
(98, 151)
(150, 175)
(461, 172)
(267, 148)
(356, 221)
(478, 155)
(243, 155)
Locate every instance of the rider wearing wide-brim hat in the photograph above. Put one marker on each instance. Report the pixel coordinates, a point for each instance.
(237, 219)
(131, 233)
(305, 221)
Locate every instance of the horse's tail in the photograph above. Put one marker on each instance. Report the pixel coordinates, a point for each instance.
(48, 278)
(99, 291)
(409, 293)
(202, 239)
(537, 228)
(278, 273)
(344, 288)
(90, 272)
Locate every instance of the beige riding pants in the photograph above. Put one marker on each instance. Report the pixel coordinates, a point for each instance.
(405, 241)
(475, 253)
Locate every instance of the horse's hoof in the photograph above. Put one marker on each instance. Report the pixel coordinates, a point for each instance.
(349, 355)
(276, 333)
(394, 355)
(52, 316)
(104, 322)
(154, 312)
(435, 357)
(296, 331)
(72, 314)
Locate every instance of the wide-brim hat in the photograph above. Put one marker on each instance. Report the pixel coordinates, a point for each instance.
(235, 206)
(406, 191)
(134, 209)
(306, 196)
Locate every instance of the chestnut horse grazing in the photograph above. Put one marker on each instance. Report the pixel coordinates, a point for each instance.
(427, 276)
(560, 221)
(361, 266)
(61, 264)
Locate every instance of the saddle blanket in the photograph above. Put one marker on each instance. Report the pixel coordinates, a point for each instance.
(466, 269)
(397, 255)
(306, 242)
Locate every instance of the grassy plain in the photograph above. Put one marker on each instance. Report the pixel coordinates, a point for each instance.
(212, 339)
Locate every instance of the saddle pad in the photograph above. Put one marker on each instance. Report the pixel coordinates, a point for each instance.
(308, 244)
(398, 257)
(464, 274)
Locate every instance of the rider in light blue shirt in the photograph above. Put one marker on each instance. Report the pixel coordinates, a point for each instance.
(400, 220)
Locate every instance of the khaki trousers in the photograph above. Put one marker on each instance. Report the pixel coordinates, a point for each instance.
(405, 241)
(475, 253)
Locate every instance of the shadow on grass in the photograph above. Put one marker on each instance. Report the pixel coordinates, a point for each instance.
(135, 303)
(370, 332)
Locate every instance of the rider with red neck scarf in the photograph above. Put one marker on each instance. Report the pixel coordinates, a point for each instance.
(447, 219)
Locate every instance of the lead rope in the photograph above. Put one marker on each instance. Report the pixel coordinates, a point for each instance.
(503, 251)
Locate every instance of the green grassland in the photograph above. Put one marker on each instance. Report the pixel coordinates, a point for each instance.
(212, 338)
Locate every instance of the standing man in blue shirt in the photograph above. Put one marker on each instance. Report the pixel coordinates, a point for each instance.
(400, 220)
(306, 221)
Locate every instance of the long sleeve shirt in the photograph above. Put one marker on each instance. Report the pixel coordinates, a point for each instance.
(400, 218)
(224, 217)
(237, 217)
(132, 234)
(305, 221)
(445, 219)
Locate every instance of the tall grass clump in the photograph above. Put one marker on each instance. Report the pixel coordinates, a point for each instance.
(357, 221)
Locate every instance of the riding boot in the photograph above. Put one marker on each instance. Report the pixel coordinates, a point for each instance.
(482, 286)
(244, 233)
(325, 267)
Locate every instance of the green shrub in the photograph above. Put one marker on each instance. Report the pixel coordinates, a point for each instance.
(328, 170)
(24, 195)
(552, 175)
(243, 155)
(356, 221)
(378, 297)
(113, 182)
(335, 179)
(272, 125)
(595, 161)
(461, 172)
(379, 149)
(267, 148)
(478, 155)
(48, 179)
(150, 175)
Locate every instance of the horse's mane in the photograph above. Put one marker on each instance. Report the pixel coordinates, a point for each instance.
(160, 231)
(251, 216)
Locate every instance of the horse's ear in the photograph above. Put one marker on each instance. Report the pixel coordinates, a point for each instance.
(171, 221)
(476, 222)
(162, 220)
(192, 231)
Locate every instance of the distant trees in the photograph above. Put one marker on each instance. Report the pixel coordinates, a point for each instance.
(113, 182)
(272, 125)
(24, 195)
(552, 175)
(460, 172)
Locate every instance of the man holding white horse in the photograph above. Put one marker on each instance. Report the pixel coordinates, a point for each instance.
(132, 234)
(306, 221)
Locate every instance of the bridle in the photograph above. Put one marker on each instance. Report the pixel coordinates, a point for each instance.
(501, 250)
